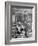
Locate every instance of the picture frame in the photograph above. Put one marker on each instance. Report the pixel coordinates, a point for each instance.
(10, 10)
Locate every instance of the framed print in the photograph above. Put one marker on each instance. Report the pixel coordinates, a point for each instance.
(20, 22)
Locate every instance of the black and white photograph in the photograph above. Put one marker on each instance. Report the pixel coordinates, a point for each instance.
(20, 21)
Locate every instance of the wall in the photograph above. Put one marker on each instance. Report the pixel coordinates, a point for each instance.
(2, 23)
